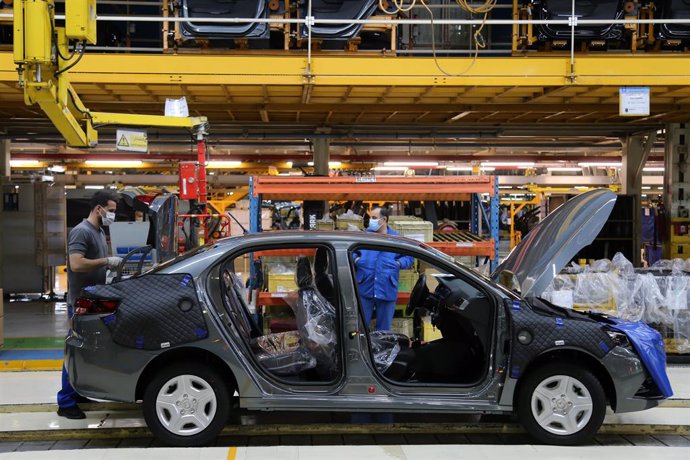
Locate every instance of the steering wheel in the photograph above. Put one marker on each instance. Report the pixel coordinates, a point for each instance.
(144, 251)
(418, 294)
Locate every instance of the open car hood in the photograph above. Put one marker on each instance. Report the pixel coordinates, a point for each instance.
(550, 245)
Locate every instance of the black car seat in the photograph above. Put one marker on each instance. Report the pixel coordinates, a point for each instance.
(316, 322)
(322, 278)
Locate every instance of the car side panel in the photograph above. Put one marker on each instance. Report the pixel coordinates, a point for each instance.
(552, 331)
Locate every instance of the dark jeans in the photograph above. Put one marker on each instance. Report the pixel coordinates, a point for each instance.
(67, 397)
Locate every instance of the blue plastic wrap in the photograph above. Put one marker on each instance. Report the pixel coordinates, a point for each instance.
(650, 347)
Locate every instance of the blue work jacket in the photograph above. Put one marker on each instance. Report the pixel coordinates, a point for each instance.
(378, 272)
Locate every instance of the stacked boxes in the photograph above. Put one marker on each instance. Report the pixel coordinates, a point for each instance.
(342, 223)
(680, 238)
(429, 332)
(281, 282)
(325, 225)
(403, 326)
(419, 230)
(407, 280)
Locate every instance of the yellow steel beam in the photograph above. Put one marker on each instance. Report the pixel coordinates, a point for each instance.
(159, 121)
(363, 71)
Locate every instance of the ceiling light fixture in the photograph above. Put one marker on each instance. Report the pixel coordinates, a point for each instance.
(24, 163)
(114, 163)
(389, 168)
(223, 164)
(459, 168)
(564, 169)
(431, 164)
(600, 165)
(331, 164)
(509, 164)
(654, 169)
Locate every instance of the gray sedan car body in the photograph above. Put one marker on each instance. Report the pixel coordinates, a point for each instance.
(181, 339)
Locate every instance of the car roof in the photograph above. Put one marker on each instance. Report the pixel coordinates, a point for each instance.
(317, 236)
(197, 260)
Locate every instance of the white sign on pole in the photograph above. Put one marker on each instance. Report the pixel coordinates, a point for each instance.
(132, 141)
(634, 101)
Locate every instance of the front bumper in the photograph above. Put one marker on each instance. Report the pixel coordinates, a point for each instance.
(628, 375)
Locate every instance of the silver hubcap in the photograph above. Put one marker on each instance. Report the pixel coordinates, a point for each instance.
(186, 405)
(561, 405)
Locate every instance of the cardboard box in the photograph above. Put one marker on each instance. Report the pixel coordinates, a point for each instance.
(279, 283)
(429, 332)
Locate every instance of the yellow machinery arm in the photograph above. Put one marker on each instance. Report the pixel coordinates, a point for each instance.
(41, 52)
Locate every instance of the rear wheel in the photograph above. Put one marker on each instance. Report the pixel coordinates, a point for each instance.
(186, 404)
(561, 404)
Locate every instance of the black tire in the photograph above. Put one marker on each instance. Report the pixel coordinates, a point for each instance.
(589, 384)
(204, 378)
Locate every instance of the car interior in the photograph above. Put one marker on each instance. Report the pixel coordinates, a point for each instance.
(462, 313)
(301, 345)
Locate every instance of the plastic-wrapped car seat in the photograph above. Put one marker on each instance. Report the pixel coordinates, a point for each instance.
(316, 322)
(281, 354)
(322, 278)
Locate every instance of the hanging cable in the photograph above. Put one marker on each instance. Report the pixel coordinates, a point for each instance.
(79, 48)
(485, 8)
(399, 6)
(479, 42)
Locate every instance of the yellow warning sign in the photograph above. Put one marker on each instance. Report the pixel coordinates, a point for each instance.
(132, 141)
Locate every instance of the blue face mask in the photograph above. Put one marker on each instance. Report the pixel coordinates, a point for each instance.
(374, 225)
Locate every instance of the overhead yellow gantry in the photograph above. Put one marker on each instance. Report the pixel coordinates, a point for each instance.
(42, 54)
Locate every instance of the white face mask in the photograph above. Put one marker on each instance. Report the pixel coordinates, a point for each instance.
(108, 219)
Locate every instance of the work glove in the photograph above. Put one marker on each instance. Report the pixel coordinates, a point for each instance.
(114, 262)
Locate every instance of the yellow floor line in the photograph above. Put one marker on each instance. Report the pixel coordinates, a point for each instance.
(31, 365)
(232, 453)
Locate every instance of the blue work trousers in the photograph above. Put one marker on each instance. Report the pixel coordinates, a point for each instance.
(385, 309)
(67, 397)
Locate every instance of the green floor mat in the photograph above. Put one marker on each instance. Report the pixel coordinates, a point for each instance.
(34, 343)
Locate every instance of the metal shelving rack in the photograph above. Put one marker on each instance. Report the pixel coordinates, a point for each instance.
(393, 188)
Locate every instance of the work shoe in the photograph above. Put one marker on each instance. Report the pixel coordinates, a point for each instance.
(72, 412)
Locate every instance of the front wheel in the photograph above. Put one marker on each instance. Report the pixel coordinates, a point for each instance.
(561, 404)
(186, 405)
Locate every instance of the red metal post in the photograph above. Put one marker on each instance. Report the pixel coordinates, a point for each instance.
(201, 170)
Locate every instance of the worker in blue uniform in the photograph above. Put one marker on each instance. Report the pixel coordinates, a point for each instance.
(378, 273)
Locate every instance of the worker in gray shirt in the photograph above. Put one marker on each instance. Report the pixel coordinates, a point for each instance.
(87, 265)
